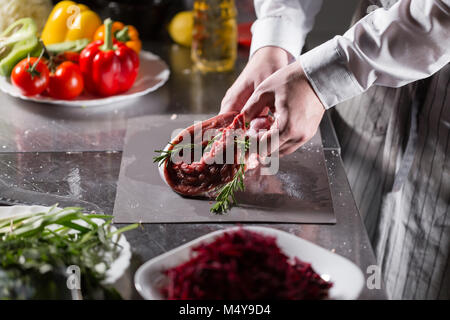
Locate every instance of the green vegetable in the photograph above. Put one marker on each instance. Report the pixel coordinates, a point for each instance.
(225, 199)
(34, 256)
(73, 46)
(17, 42)
(165, 154)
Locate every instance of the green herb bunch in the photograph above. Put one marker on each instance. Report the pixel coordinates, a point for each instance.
(225, 197)
(37, 248)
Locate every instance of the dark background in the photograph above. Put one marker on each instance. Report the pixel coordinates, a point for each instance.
(149, 16)
(152, 16)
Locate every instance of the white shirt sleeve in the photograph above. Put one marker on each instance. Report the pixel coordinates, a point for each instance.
(283, 23)
(394, 47)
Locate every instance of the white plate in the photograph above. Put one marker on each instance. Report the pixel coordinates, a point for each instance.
(153, 73)
(347, 278)
(117, 268)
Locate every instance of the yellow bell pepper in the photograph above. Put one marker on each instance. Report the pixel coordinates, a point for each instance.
(70, 21)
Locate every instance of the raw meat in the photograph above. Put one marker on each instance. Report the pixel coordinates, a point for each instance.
(217, 136)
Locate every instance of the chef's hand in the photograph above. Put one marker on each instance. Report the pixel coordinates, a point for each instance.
(264, 62)
(295, 105)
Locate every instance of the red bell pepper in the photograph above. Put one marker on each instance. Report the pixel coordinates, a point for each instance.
(109, 67)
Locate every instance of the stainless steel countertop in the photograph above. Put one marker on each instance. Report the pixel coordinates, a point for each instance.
(75, 154)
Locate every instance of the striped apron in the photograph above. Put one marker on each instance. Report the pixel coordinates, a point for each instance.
(396, 151)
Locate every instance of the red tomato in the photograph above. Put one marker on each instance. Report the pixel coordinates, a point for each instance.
(66, 82)
(71, 56)
(31, 76)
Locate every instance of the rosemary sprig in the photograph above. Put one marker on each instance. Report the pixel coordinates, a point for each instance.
(214, 139)
(244, 144)
(225, 199)
(164, 154)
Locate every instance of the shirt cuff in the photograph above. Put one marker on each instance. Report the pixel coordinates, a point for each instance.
(326, 69)
(277, 31)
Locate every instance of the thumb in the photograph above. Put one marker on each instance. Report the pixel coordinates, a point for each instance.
(235, 99)
(256, 104)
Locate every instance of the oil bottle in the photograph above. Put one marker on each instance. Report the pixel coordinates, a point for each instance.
(214, 43)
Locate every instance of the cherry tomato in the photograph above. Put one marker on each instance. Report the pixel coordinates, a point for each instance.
(68, 56)
(66, 82)
(31, 76)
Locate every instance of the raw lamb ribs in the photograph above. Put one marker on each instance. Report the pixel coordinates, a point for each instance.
(221, 139)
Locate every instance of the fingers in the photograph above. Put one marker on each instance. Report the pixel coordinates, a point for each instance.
(235, 99)
(273, 140)
(270, 141)
(297, 141)
(289, 148)
(260, 67)
(285, 140)
(281, 115)
(257, 103)
(270, 145)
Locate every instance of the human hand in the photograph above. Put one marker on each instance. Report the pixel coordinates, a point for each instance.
(262, 64)
(294, 104)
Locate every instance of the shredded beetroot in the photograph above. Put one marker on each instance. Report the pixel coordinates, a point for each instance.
(243, 265)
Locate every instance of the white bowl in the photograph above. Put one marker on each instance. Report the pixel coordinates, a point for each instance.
(347, 278)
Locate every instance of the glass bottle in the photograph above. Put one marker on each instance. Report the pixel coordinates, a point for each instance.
(214, 43)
